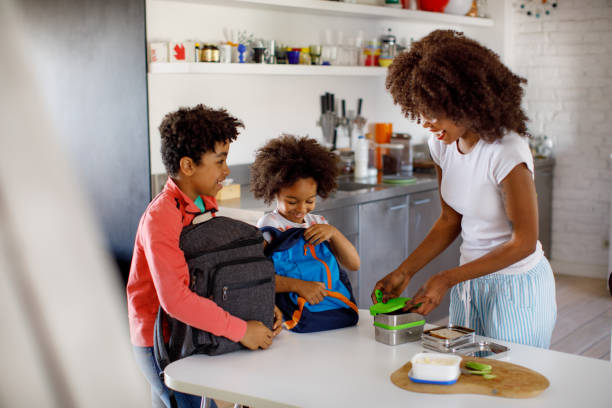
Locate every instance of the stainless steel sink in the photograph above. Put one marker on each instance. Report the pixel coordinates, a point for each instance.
(353, 186)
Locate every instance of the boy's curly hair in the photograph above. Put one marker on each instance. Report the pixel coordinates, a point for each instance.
(191, 132)
(284, 160)
(448, 75)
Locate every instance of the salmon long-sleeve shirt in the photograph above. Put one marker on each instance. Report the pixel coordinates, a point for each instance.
(159, 273)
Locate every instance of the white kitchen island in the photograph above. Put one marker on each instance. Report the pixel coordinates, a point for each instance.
(348, 368)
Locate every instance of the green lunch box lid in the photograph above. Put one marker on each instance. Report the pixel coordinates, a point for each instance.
(391, 306)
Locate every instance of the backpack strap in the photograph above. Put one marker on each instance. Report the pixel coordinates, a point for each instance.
(161, 352)
(159, 346)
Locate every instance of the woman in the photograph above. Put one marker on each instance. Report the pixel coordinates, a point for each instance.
(504, 287)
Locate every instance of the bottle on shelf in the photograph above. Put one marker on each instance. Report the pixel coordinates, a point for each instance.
(361, 158)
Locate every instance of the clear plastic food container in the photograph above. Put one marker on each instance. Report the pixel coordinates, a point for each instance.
(435, 368)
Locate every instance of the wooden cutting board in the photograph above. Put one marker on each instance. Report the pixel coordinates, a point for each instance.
(512, 381)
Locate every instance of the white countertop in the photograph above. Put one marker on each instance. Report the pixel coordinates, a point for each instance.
(347, 367)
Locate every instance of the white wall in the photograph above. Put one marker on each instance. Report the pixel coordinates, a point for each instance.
(269, 105)
(567, 59)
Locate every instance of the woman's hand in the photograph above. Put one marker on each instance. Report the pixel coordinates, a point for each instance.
(277, 327)
(429, 295)
(317, 233)
(313, 292)
(391, 285)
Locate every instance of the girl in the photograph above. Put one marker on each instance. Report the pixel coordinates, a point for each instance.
(293, 171)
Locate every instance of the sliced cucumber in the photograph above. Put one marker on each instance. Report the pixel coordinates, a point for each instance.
(489, 376)
(476, 372)
(473, 365)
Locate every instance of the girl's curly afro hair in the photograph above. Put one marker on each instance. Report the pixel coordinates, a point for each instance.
(283, 161)
(448, 75)
(191, 132)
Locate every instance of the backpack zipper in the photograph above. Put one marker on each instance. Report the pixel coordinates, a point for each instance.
(234, 244)
(314, 255)
(244, 285)
(213, 273)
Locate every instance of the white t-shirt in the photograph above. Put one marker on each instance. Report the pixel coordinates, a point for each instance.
(276, 220)
(471, 185)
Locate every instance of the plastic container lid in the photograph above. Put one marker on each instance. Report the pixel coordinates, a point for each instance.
(391, 306)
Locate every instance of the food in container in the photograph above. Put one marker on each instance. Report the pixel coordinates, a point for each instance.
(444, 338)
(435, 368)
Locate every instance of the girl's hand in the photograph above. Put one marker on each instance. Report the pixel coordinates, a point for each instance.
(313, 292)
(277, 327)
(317, 233)
(429, 295)
(391, 285)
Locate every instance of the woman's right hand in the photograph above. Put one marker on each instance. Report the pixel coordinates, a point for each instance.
(391, 285)
(313, 292)
(257, 335)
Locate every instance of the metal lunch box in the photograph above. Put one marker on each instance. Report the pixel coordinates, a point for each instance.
(434, 338)
(392, 325)
(398, 327)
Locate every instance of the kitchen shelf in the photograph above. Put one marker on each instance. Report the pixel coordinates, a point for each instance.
(263, 69)
(332, 8)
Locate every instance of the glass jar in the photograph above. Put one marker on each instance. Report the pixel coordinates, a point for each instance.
(406, 158)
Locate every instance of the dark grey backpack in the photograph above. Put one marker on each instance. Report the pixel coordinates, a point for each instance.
(227, 265)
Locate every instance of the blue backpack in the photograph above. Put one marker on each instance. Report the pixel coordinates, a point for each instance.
(294, 257)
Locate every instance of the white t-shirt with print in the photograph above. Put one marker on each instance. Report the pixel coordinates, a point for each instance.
(276, 220)
(471, 185)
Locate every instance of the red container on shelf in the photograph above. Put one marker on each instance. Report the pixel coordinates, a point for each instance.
(433, 5)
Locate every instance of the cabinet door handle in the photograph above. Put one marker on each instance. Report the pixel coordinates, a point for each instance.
(423, 201)
(398, 207)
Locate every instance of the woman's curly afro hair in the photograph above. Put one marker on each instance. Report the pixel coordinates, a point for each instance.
(191, 132)
(283, 161)
(448, 75)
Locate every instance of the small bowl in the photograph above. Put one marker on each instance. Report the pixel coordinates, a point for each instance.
(384, 62)
(435, 367)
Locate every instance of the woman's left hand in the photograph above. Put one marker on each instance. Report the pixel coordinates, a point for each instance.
(317, 233)
(277, 327)
(429, 295)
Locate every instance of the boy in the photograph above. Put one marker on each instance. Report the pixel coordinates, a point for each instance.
(195, 145)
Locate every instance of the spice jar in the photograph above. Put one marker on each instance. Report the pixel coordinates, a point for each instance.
(214, 53)
(206, 53)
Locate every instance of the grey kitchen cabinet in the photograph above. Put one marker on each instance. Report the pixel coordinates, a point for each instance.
(544, 185)
(383, 237)
(424, 211)
(346, 219)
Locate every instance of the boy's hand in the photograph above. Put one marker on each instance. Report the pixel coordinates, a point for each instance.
(313, 292)
(277, 327)
(257, 335)
(317, 233)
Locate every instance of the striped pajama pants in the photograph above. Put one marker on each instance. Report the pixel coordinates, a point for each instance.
(518, 308)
